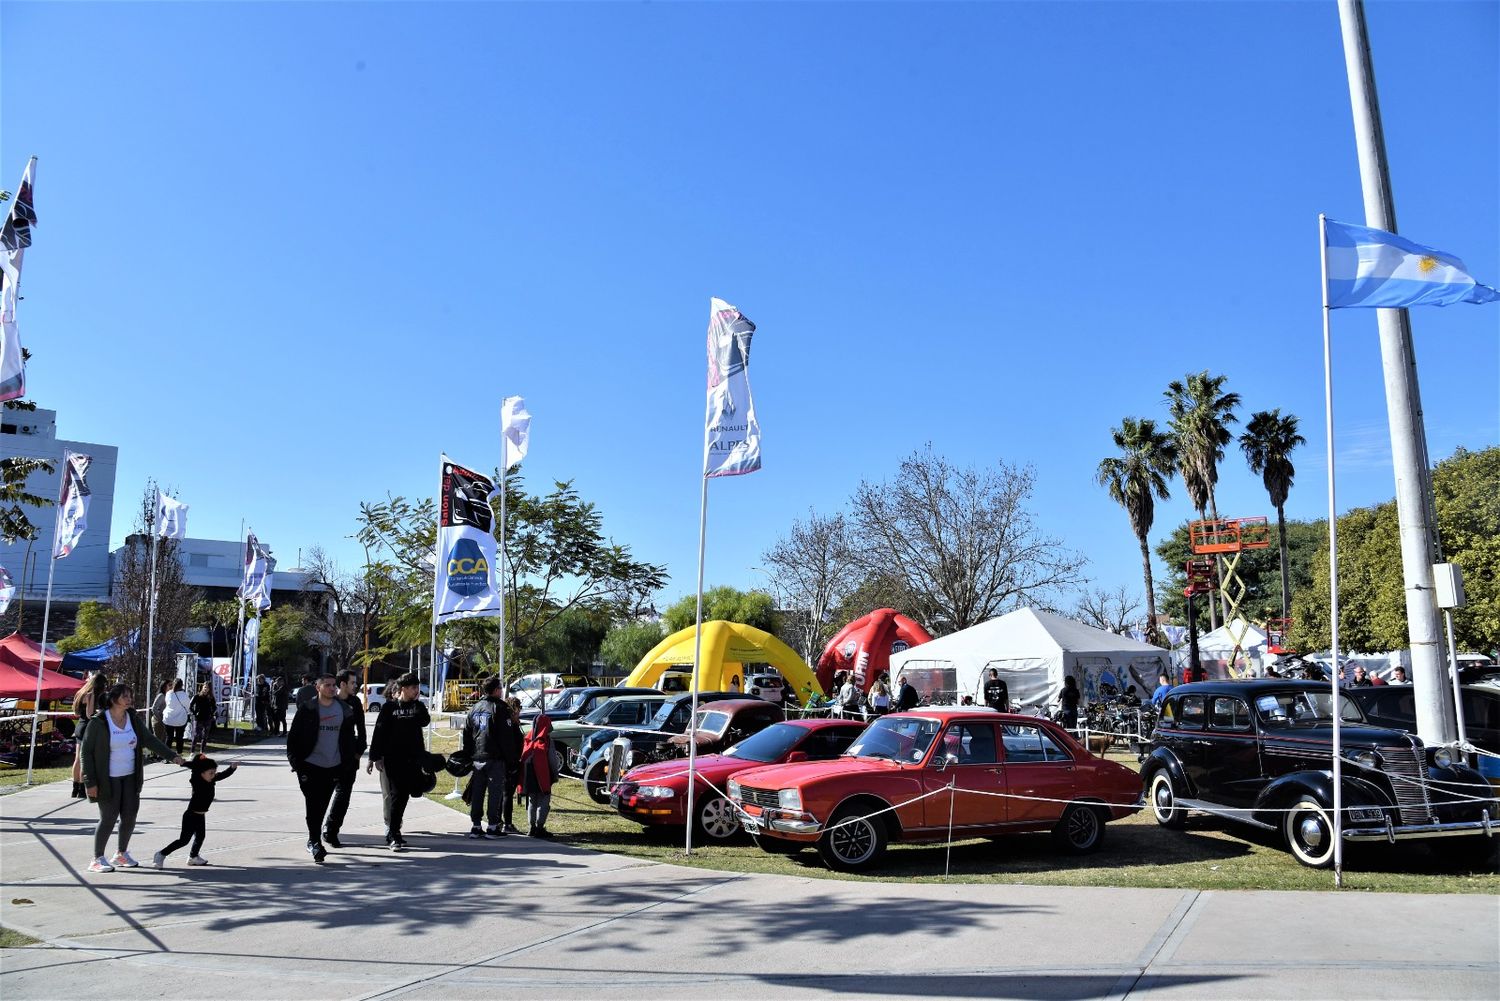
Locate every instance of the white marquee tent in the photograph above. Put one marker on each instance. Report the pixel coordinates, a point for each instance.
(1033, 651)
(1216, 648)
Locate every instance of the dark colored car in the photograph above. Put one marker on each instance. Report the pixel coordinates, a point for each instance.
(671, 718)
(1261, 753)
(656, 794)
(574, 703)
(1395, 706)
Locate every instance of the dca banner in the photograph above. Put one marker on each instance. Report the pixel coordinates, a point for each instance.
(465, 547)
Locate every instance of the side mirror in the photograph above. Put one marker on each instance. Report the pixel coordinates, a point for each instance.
(796, 756)
(947, 761)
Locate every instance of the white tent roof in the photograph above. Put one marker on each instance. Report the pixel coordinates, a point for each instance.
(1222, 638)
(1025, 632)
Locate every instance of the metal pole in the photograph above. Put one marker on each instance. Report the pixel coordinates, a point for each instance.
(1458, 699)
(1193, 637)
(1333, 570)
(692, 730)
(151, 613)
(41, 658)
(437, 533)
(1435, 716)
(237, 655)
(503, 469)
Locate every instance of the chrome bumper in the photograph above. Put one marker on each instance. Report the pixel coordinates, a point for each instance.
(794, 826)
(1469, 827)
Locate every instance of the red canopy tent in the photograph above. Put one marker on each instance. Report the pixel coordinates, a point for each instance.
(865, 646)
(18, 660)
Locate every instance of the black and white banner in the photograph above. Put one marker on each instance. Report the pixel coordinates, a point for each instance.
(731, 444)
(72, 504)
(466, 586)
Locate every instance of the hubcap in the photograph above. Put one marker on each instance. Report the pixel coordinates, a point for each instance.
(1310, 831)
(719, 820)
(1082, 826)
(853, 841)
(1163, 797)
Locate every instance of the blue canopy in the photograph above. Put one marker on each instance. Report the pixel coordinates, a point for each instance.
(96, 657)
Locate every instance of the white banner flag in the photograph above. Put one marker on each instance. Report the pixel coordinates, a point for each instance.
(515, 428)
(15, 237)
(732, 437)
(465, 585)
(171, 517)
(72, 504)
(7, 590)
(259, 566)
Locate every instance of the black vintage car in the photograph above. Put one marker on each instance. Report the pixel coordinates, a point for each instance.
(1261, 753)
(672, 718)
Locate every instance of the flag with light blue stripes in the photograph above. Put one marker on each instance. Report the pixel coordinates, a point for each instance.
(1372, 268)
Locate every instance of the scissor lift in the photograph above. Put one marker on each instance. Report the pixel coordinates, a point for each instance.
(1224, 540)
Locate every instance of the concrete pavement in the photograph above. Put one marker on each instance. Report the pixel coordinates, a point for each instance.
(461, 919)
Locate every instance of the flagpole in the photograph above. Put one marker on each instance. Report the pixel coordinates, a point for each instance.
(692, 730)
(437, 539)
(151, 614)
(237, 655)
(504, 468)
(41, 657)
(1333, 568)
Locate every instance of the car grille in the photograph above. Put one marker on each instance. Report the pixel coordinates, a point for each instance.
(1408, 773)
(763, 798)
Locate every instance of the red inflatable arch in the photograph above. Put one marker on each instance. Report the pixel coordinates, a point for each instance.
(865, 646)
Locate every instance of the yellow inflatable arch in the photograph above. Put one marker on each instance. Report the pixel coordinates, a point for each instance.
(727, 647)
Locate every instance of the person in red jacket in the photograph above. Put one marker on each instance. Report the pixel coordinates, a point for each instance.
(536, 775)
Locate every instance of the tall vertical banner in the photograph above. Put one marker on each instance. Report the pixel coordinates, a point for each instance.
(7, 590)
(171, 517)
(73, 504)
(259, 566)
(732, 437)
(15, 237)
(465, 587)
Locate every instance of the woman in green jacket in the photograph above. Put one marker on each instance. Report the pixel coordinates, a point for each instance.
(113, 771)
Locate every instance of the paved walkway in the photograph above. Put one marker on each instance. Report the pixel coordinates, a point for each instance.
(464, 919)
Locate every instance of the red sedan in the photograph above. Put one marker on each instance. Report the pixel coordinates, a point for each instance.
(918, 776)
(656, 794)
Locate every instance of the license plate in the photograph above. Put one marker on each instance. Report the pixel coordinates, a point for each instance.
(750, 824)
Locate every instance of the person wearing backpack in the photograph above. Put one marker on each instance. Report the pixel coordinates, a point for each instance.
(175, 714)
(482, 743)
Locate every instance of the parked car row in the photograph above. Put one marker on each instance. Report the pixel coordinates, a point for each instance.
(1257, 752)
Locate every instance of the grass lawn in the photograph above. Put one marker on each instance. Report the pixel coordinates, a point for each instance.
(1209, 854)
(12, 939)
(14, 779)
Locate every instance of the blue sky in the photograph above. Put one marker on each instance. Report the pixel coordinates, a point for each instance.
(289, 252)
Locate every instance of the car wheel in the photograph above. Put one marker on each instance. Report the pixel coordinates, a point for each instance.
(597, 782)
(1308, 830)
(1164, 801)
(716, 819)
(1081, 829)
(852, 841)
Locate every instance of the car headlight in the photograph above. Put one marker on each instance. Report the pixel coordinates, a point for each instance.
(734, 790)
(1442, 758)
(789, 799)
(1364, 757)
(655, 792)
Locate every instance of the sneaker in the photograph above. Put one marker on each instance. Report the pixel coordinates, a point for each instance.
(543, 833)
(396, 846)
(313, 848)
(200, 860)
(101, 864)
(401, 845)
(511, 829)
(494, 832)
(475, 832)
(158, 860)
(122, 860)
(332, 839)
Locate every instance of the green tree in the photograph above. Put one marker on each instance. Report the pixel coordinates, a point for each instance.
(1136, 479)
(285, 639)
(1372, 599)
(753, 608)
(1200, 415)
(94, 625)
(15, 470)
(569, 641)
(628, 642)
(1268, 442)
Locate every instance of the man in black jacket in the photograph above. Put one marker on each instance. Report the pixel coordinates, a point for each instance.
(482, 737)
(348, 683)
(906, 696)
(397, 749)
(997, 692)
(319, 746)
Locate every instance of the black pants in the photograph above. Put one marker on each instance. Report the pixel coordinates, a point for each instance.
(194, 828)
(492, 783)
(174, 735)
(394, 801)
(341, 794)
(317, 789)
(123, 804)
(203, 729)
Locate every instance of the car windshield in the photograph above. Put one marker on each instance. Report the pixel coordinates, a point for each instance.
(1287, 708)
(663, 714)
(770, 745)
(600, 713)
(565, 700)
(895, 738)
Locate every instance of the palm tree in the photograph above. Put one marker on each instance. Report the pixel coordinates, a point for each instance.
(1201, 413)
(1268, 442)
(1135, 479)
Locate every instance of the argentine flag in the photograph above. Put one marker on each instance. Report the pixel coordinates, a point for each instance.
(1373, 268)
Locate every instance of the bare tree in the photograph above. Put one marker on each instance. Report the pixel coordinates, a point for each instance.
(354, 607)
(130, 599)
(1115, 611)
(961, 541)
(812, 569)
